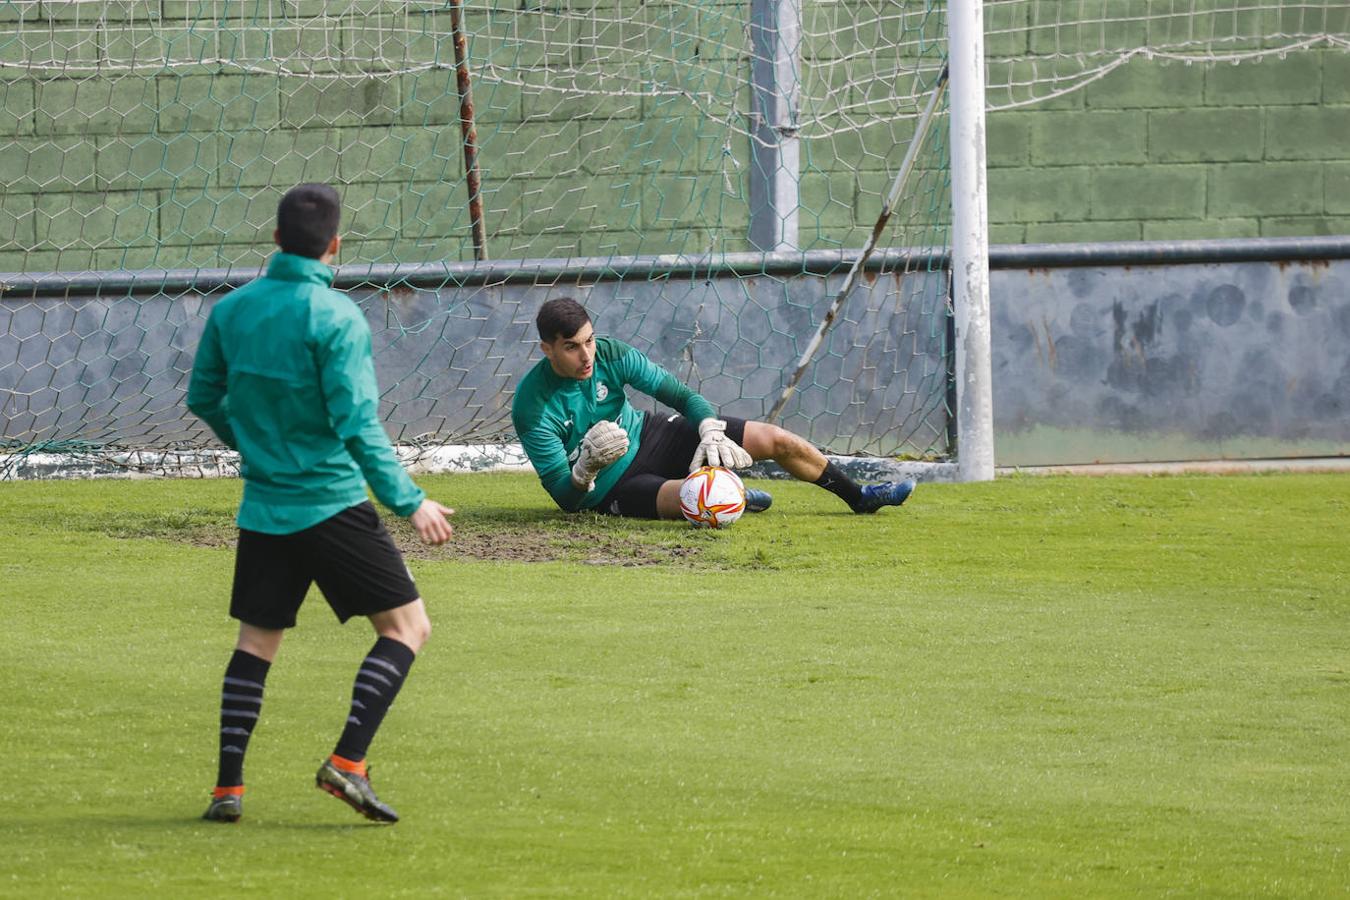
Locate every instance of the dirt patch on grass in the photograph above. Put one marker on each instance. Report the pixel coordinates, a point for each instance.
(198, 527)
(589, 539)
(548, 541)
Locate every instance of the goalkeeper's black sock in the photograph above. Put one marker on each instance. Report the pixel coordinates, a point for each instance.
(839, 484)
(240, 704)
(377, 683)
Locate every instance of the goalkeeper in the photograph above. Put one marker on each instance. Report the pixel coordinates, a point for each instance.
(284, 375)
(593, 450)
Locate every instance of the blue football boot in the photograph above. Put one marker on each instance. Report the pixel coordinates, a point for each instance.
(890, 493)
(757, 501)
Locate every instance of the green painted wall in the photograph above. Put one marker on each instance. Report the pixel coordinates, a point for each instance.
(104, 168)
(1159, 151)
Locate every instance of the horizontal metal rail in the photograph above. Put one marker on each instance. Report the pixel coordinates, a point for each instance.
(1168, 253)
(609, 268)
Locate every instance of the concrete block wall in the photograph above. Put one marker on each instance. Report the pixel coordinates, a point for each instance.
(182, 165)
(1164, 151)
(110, 169)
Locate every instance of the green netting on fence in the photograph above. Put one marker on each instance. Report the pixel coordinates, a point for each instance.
(154, 139)
(649, 152)
(157, 135)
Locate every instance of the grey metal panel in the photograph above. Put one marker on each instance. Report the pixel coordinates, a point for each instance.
(775, 144)
(112, 368)
(1114, 363)
(1140, 364)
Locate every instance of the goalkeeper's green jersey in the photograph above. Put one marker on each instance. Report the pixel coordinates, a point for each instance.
(551, 414)
(284, 374)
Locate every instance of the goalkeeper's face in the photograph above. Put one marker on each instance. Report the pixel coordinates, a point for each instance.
(572, 357)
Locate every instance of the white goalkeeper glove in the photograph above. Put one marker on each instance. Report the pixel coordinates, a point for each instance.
(605, 443)
(716, 449)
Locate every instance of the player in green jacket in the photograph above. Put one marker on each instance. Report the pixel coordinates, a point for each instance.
(284, 375)
(593, 450)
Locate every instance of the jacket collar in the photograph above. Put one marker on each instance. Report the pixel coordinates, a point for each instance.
(289, 267)
(561, 382)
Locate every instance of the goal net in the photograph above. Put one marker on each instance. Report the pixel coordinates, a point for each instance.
(701, 175)
(1039, 50)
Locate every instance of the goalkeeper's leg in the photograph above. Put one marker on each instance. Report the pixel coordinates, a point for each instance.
(804, 462)
(795, 454)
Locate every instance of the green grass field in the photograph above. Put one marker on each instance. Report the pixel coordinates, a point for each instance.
(1033, 687)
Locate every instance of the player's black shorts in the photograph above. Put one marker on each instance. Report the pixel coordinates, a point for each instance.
(350, 556)
(665, 448)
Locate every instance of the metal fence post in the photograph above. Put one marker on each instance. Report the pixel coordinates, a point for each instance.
(775, 170)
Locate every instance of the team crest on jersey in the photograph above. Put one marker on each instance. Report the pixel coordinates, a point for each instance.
(601, 392)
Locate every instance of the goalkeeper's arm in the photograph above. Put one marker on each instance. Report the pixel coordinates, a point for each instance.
(714, 448)
(654, 381)
(568, 484)
(549, 459)
(604, 444)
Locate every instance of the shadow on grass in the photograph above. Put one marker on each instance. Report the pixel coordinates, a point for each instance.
(270, 823)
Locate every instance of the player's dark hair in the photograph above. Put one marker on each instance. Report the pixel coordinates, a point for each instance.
(560, 317)
(307, 219)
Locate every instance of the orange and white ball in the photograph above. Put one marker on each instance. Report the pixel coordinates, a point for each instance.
(712, 497)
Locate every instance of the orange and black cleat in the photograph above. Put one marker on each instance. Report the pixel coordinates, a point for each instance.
(353, 788)
(227, 805)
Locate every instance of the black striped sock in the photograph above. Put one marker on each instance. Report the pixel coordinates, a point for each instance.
(377, 684)
(240, 704)
(836, 482)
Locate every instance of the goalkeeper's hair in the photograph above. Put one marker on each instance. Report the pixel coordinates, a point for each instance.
(560, 317)
(307, 219)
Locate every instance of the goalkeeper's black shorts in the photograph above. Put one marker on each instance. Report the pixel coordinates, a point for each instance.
(666, 446)
(350, 556)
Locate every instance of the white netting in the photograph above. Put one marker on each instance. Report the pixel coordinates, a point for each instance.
(1038, 50)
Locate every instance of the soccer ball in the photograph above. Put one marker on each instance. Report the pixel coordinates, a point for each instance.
(712, 497)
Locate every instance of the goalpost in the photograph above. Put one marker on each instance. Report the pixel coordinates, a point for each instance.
(702, 175)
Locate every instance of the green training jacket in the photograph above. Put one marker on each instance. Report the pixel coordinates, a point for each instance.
(284, 374)
(551, 415)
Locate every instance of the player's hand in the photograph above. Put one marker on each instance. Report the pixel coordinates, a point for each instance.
(716, 449)
(429, 520)
(604, 444)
